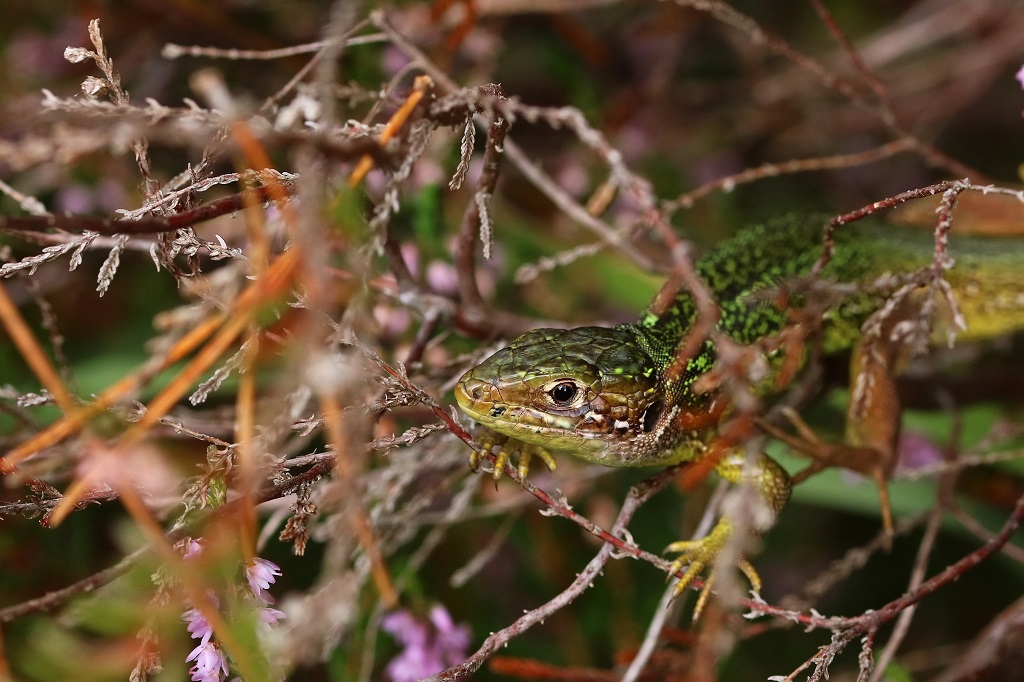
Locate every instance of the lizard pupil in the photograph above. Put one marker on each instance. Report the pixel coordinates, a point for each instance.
(563, 393)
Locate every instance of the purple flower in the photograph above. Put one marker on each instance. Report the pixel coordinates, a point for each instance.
(394, 60)
(40, 56)
(106, 196)
(442, 277)
(211, 663)
(917, 451)
(193, 548)
(270, 616)
(198, 627)
(261, 574)
(454, 638)
(1020, 77)
(429, 647)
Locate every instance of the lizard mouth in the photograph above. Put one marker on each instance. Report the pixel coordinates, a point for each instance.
(470, 395)
(482, 401)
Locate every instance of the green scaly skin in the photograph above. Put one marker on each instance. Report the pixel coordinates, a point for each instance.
(604, 395)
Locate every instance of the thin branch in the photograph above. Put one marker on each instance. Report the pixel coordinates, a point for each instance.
(147, 225)
(174, 51)
(638, 494)
(57, 598)
(773, 170)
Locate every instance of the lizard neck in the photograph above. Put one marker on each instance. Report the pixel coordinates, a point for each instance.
(758, 258)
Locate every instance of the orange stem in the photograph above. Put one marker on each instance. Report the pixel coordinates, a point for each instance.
(73, 421)
(33, 353)
(395, 123)
(360, 521)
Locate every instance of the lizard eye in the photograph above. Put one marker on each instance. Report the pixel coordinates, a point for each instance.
(564, 392)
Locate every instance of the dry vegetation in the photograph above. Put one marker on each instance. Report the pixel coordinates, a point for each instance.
(238, 285)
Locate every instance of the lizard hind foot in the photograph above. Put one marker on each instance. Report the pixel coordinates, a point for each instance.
(697, 555)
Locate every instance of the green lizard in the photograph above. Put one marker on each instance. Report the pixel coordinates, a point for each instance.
(606, 395)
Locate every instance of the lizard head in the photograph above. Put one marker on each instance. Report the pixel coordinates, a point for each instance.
(588, 391)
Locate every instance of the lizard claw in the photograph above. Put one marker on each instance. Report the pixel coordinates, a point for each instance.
(697, 555)
(506, 448)
(528, 452)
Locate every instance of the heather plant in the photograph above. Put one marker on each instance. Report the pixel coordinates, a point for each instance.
(238, 282)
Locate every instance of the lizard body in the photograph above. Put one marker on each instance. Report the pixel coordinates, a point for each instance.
(607, 395)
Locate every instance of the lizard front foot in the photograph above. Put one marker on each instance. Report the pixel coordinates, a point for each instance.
(698, 555)
(506, 448)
